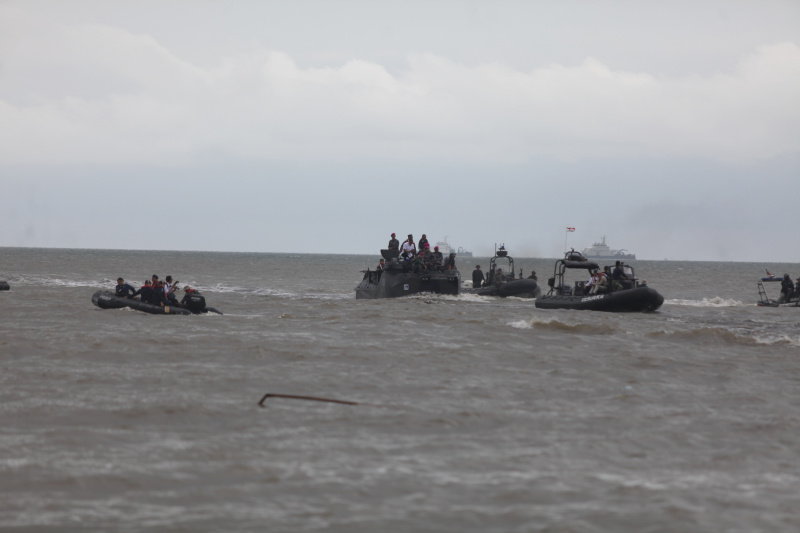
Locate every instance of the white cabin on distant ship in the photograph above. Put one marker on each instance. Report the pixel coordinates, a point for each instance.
(600, 250)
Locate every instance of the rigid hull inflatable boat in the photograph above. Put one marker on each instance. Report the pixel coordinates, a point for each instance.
(108, 300)
(631, 297)
(510, 286)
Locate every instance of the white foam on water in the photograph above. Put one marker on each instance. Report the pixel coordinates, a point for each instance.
(706, 302)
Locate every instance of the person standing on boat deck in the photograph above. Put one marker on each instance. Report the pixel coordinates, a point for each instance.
(123, 290)
(423, 242)
(617, 276)
(381, 265)
(409, 249)
(145, 291)
(450, 263)
(477, 277)
(394, 244)
(787, 288)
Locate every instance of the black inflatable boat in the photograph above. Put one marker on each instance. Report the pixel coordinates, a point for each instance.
(399, 279)
(510, 286)
(108, 300)
(631, 298)
(4, 286)
(765, 301)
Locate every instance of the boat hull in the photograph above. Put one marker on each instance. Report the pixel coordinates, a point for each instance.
(520, 288)
(394, 283)
(637, 300)
(4, 286)
(108, 300)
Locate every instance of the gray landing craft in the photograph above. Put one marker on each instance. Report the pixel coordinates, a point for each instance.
(633, 297)
(398, 278)
(510, 286)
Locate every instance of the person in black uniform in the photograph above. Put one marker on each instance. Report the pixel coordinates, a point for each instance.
(381, 265)
(145, 291)
(394, 244)
(159, 297)
(193, 300)
(123, 290)
(787, 288)
(477, 277)
(617, 276)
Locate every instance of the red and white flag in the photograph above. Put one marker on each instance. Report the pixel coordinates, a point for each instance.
(570, 229)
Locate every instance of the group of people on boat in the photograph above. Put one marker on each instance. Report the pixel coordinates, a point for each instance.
(599, 282)
(495, 277)
(788, 289)
(422, 258)
(162, 293)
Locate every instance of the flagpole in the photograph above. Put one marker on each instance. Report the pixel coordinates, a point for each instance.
(566, 234)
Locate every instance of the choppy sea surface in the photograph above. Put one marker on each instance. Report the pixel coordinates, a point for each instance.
(484, 414)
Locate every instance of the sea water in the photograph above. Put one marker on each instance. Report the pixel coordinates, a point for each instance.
(476, 413)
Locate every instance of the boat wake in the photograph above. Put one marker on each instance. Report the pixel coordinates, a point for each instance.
(706, 302)
(556, 325)
(716, 334)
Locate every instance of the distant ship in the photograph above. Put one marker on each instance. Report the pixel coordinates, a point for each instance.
(446, 249)
(600, 250)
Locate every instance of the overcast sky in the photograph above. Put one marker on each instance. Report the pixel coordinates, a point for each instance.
(672, 128)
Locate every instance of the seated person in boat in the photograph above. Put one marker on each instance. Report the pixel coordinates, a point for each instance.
(618, 278)
(394, 244)
(145, 291)
(123, 290)
(437, 259)
(598, 282)
(498, 277)
(408, 250)
(477, 277)
(587, 287)
(169, 289)
(787, 289)
(420, 262)
(381, 265)
(193, 300)
(450, 263)
(533, 276)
